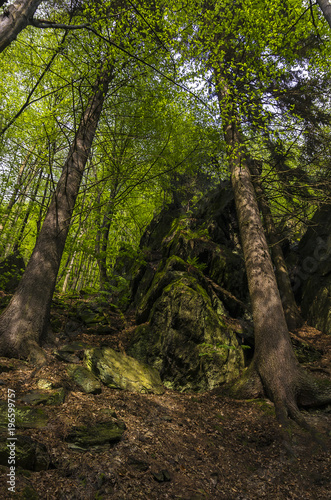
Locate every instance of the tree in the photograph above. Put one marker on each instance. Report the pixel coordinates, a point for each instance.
(23, 325)
(326, 9)
(291, 311)
(15, 18)
(233, 51)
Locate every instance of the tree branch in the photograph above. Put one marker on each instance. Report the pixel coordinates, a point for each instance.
(44, 24)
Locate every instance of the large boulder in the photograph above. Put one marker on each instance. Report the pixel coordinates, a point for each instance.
(313, 273)
(206, 238)
(193, 280)
(186, 337)
(119, 371)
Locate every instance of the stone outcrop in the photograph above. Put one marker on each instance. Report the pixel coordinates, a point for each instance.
(193, 280)
(186, 336)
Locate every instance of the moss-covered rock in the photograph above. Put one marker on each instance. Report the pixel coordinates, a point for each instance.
(182, 299)
(25, 417)
(84, 379)
(174, 269)
(160, 227)
(48, 397)
(95, 437)
(119, 371)
(29, 454)
(71, 353)
(184, 335)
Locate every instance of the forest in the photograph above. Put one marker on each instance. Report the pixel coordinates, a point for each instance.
(165, 249)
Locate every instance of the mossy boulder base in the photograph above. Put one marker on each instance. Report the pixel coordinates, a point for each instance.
(185, 292)
(186, 339)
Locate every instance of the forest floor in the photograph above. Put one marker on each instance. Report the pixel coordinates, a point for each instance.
(207, 445)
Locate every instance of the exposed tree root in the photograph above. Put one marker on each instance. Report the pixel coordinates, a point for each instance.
(22, 347)
(36, 355)
(302, 391)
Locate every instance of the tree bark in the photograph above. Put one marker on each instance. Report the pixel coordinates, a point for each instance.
(23, 324)
(326, 9)
(274, 371)
(291, 310)
(15, 18)
(101, 243)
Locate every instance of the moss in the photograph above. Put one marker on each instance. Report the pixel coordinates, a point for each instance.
(247, 386)
(265, 406)
(182, 320)
(25, 417)
(323, 384)
(165, 274)
(123, 372)
(306, 353)
(85, 380)
(49, 397)
(99, 434)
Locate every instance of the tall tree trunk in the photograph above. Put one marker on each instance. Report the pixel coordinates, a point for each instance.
(20, 233)
(101, 243)
(23, 324)
(15, 18)
(291, 310)
(68, 271)
(326, 9)
(274, 370)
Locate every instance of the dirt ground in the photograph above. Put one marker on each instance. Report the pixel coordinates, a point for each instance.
(175, 446)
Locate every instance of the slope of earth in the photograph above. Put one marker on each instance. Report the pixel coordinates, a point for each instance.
(175, 446)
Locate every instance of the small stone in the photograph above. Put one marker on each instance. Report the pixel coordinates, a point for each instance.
(51, 397)
(102, 433)
(162, 477)
(166, 475)
(44, 384)
(158, 476)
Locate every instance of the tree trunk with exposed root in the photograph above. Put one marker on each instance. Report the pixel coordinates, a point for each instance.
(274, 371)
